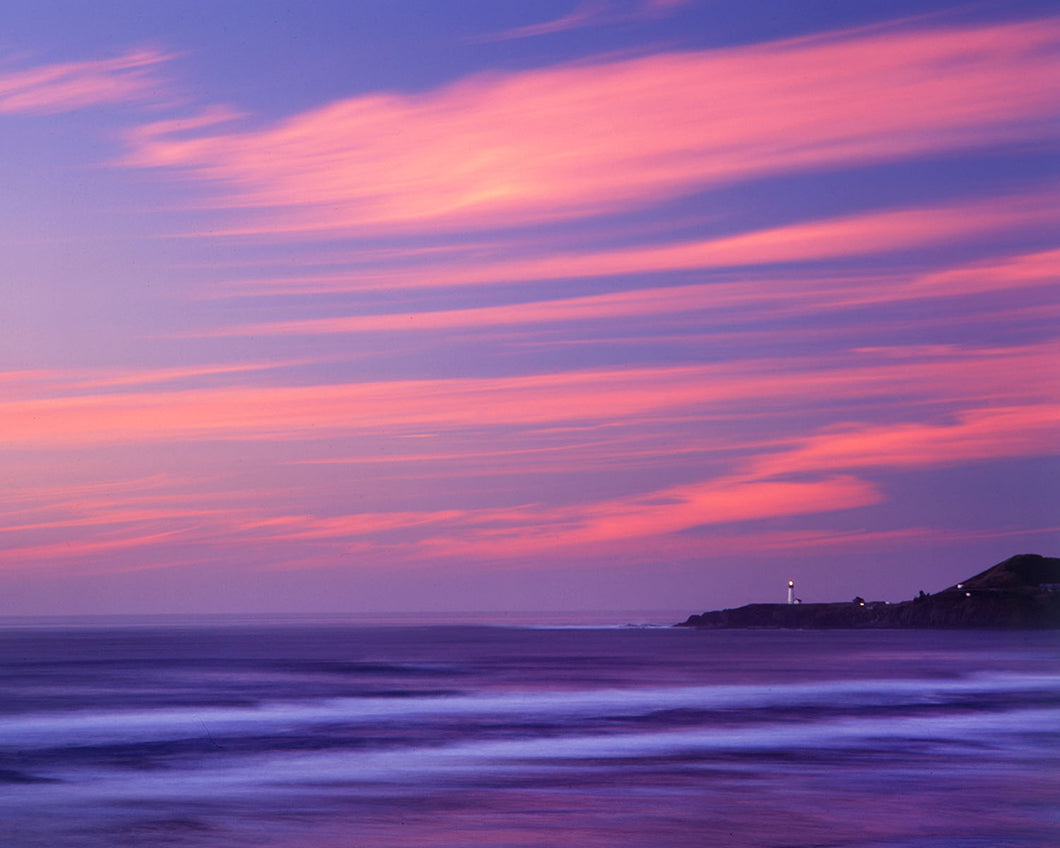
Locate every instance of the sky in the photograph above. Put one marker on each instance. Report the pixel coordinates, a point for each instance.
(555, 305)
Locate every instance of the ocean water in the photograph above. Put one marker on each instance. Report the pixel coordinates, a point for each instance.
(327, 733)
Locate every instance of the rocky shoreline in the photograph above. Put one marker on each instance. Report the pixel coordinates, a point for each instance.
(1021, 593)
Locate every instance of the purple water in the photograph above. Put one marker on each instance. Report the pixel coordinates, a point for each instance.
(327, 734)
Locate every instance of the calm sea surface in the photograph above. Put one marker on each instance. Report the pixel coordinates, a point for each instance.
(320, 734)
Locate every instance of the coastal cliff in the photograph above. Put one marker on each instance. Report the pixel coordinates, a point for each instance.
(1023, 592)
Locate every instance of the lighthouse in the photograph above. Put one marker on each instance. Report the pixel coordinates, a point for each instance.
(791, 591)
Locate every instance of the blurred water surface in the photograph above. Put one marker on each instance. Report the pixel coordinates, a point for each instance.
(320, 733)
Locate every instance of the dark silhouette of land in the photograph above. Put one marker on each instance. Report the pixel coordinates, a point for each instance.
(1021, 593)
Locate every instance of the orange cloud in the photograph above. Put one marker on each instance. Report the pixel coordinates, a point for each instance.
(65, 87)
(587, 139)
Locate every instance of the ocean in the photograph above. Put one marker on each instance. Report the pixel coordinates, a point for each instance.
(337, 732)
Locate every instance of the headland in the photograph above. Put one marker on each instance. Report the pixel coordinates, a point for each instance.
(1020, 593)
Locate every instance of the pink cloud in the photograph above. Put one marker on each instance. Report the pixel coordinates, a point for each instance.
(663, 5)
(757, 494)
(251, 412)
(1033, 269)
(593, 138)
(594, 307)
(1004, 376)
(724, 543)
(999, 402)
(575, 453)
(99, 526)
(145, 514)
(581, 15)
(650, 515)
(80, 522)
(629, 528)
(832, 238)
(65, 87)
(720, 502)
(775, 296)
(29, 555)
(977, 434)
(58, 383)
(790, 540)
(587, 13)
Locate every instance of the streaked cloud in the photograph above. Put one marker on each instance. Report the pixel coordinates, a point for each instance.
(583, 13)
(664, 512)
(530, 306)
(593, 138)
(788, 295)
(831, 238)
(795, 475)
(587, 13)
(68, 86)
(491, 533)
(295, 411)
(975, 435)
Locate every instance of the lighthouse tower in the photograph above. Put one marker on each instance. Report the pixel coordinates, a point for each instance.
(791, 591)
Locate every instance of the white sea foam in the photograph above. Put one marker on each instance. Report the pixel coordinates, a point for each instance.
(690, 736)
(412, 767)
(81, 728)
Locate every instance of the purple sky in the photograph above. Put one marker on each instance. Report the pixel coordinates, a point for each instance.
(523, 306)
